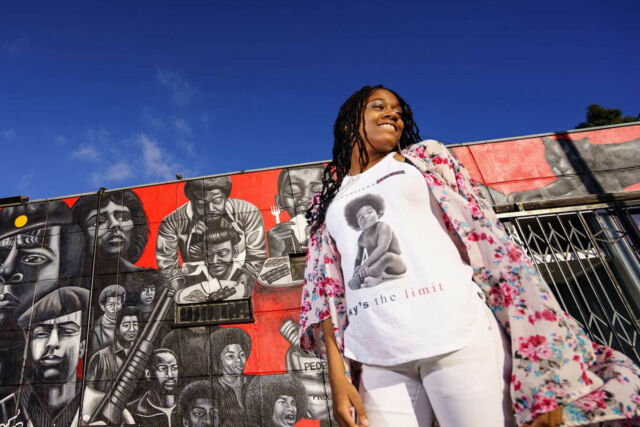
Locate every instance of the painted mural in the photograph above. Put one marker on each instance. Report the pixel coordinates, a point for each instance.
(89, 286)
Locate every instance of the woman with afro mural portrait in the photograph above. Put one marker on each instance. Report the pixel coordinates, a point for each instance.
(467, 332)
(276, 401)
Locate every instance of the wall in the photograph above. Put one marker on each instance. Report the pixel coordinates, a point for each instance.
(77, 285)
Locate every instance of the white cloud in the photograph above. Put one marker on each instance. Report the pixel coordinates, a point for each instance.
(10, 134)
(118, 172)
(86, 152)
(189, 147)
(15, 46)
(25, 185)
(181, 90)
(182, 126)
(157, 162)
(151, 120)
(97, 136)
(60, 140)
(115, 173)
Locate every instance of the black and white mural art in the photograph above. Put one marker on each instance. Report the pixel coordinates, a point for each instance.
(89, 287)
(88, 290)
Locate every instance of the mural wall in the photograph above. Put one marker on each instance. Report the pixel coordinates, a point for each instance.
(89, 286)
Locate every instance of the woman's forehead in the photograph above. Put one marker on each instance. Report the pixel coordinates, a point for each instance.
(383, 94)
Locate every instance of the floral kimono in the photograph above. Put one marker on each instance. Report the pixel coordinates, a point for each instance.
(554, 361)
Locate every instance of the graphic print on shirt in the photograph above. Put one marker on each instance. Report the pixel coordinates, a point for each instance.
(379, 256)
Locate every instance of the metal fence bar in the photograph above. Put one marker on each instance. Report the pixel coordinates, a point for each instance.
(571, 249)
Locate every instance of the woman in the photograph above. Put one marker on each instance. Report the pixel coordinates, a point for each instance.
(429, 331)
(276, 400)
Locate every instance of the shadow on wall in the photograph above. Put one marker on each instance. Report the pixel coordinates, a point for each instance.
(581, 168)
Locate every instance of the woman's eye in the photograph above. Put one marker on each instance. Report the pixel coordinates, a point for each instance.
(34, 259)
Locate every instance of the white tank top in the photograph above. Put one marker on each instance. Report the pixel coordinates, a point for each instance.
(409, 295)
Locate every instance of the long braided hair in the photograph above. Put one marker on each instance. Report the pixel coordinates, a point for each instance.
(346, 136)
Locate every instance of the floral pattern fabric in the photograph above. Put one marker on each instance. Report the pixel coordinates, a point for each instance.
(554, 361)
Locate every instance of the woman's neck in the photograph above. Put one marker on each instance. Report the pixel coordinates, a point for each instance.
(355, 161)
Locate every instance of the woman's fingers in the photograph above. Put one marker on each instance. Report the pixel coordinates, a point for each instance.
(361, 414)
(343, 417)
(556, 417)
(548, 419)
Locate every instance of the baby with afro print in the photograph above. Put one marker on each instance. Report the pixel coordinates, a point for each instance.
(379, 255)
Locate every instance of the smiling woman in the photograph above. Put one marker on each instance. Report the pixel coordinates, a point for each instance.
(447, 354)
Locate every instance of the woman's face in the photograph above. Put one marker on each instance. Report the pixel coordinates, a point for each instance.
(382, 122)
(284, 411)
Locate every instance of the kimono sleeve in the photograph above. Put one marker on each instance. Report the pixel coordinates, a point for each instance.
(322, 294)
(457, 177)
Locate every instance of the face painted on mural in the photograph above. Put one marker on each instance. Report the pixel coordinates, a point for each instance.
(128, 329)
(27, 259)
(55, 347)
(112, 306)
(202, 414)
(297, 188)
(220, 259)
(212, 206)
(382, 122)
(367, 217)
(164, 376)
(284, 411)
(115, 228)
(233, 359)
(147, 295)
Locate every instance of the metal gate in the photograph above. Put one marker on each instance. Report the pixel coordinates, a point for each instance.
(590, 256)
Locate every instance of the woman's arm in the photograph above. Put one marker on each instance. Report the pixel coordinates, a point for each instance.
(344, 394)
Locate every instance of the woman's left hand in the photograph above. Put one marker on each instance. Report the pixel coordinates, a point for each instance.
(548, 419)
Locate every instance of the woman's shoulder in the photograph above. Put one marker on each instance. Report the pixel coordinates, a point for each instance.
(426, 148)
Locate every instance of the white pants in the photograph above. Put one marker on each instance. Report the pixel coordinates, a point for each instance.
(467, 387)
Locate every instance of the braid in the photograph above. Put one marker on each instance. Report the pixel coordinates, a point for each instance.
(346, 135)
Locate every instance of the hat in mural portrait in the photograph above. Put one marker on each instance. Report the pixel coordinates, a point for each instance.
(58, 303)
(32, 216)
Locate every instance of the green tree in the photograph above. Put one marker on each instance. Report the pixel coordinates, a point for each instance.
(600, 116)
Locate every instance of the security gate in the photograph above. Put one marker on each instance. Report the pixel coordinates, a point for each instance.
(590, 256)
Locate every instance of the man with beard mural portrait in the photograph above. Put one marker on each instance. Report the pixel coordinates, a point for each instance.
(230, 349)
(120, 231)
(276, 401)
(105, 364)
(156, 406)
(182, 232)
(51, 393)
(197, 405)
(39, 248)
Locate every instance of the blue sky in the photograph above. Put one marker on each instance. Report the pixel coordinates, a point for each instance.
(125, 93)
